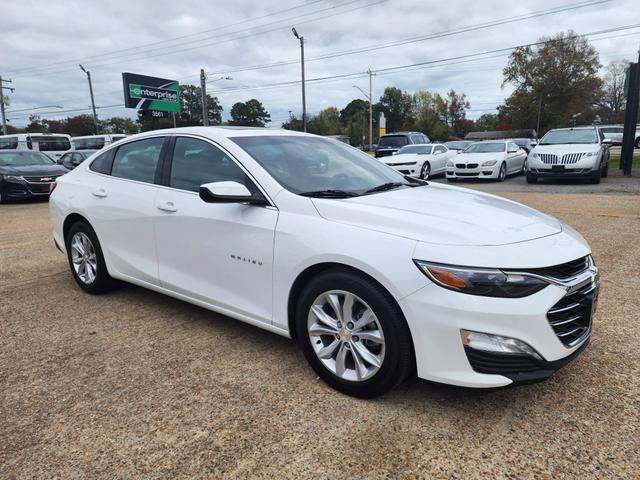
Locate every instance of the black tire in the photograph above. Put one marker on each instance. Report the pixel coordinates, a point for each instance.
(637, 142)
(524, 167)
(425, 171)
(605, 171)
(502, 174)
(398, 359)
(103, 281)
(532, 179)
(452, 179)
(596, 177)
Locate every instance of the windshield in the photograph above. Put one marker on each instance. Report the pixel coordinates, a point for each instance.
(558, 137)
(457, 145)
(424, 149)
(92, 143)
(485, 148)
(393, 141)
(308, 164)
(23, 159)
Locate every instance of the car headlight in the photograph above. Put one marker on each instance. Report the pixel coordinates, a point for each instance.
(489, 163)
(485, 282)
(534, 155)
(591, 154)
(13, 177)
(449, 163)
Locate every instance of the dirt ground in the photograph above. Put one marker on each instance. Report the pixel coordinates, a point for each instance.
(137, 385)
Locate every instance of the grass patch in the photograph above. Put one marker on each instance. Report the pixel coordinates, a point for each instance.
(614, 160)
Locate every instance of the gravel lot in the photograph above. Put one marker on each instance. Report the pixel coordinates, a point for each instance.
(137, 385)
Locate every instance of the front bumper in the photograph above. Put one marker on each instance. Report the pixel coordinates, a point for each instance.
(476, 171)
(408, 168)
(556, 174)
(20, 189)
(436, 315)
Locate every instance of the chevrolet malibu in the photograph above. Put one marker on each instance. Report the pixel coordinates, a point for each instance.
(378, 276)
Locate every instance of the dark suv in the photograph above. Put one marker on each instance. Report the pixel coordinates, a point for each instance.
(392, 142)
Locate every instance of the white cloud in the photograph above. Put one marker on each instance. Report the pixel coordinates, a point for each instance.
(38, 33)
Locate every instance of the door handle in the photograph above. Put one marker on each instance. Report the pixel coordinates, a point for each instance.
(167, 207)
(99, 192)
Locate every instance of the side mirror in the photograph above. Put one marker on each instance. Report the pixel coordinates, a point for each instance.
(607, 141)
(229, 192)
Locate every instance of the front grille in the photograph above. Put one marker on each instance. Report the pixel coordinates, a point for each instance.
(406, 172)
(41, 178)
(461, 165)
(548, 158)
(500, 364)
(564, 270)
(467, 174)
(570, 158)
(570, 318)
(402, 164)
(566, 159)
(472, 165)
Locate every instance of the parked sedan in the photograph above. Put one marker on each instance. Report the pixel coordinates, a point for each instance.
(488, 160)
(376, 274)
(72, 159)
(458, 145)
(420, 161)
(25, 174)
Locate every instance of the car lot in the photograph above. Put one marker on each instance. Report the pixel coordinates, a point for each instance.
(136, 384)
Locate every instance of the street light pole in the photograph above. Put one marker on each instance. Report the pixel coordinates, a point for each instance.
(370, 99)
(304, 101)
(203, 92)
(93, 103)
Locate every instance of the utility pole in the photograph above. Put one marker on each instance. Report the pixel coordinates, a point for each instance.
(539, 111)
(370, 109)
(304, 100)
(2, 88)
(630, 117)
(93, 103)
(203, 91)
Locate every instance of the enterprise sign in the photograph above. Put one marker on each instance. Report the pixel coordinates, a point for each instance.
(151, 93)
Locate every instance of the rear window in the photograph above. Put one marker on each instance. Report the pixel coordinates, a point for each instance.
(49, 144)
(424, 149)
(612, 130)
(9, 143)
(393, 141)
(89, 143)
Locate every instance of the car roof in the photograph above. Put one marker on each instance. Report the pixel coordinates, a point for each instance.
(586, 127)
(226, 131)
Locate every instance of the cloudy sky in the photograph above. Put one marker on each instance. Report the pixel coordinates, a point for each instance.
(250, 41)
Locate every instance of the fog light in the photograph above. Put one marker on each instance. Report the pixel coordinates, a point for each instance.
(496, 344)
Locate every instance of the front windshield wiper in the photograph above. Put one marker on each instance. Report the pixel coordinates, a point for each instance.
(387, 186)
(329, 194)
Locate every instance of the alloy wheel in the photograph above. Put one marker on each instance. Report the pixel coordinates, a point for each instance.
(425, 171)
(503, 172)
(346, 335)
(83, 258)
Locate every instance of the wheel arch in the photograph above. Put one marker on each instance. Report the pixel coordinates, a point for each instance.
(70, 220)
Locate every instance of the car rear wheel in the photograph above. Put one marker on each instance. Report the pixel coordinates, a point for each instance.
(86, 260)
(425, 171)
(353, 334)
(524, 167)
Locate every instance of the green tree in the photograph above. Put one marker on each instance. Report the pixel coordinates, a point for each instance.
(80, 125)
(486, 122)
(37, 124)
(250, 114)
(457, 106)
(428, 112)
(559, 77)
(354, 108)
(119, 125)
(396, 106)
(327, 122)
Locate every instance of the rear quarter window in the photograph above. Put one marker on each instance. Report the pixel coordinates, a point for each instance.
(9, 143)
(102, 163)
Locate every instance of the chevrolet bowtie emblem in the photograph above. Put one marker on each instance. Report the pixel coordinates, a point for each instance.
(45, 179)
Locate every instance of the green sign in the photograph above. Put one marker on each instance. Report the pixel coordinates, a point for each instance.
(151, 93)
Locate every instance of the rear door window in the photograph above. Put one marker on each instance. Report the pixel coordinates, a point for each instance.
(393, 141)
(9, 143)
(138, 160)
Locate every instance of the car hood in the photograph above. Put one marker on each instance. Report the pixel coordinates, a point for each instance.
(477, 157)
(441, 214)
(567, 148)
(402, 158)
(34, 170)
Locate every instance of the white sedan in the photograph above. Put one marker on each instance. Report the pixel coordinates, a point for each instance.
(376, 274)
(422, 160)
(488, 160)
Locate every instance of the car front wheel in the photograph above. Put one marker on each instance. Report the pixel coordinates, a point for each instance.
(502, 174)
(425, 171)
(353, 334)
(86, 260)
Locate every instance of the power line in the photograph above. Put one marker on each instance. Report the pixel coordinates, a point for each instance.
(221, 27)
(445, 33)
(171, 50)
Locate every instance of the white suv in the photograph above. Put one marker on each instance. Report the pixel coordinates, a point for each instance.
(572, 153)
(377, 274)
